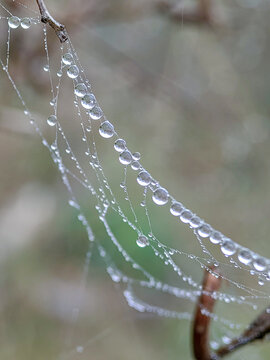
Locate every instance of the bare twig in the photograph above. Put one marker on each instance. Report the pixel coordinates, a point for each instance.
(257, 330)
(202, 320)
(46, 18)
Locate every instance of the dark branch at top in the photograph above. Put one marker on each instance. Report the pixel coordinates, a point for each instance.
(46, 18)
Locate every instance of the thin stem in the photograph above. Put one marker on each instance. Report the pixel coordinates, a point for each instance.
(46, 18)
(202, 320)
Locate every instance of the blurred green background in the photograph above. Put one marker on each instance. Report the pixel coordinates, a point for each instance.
(194, 100)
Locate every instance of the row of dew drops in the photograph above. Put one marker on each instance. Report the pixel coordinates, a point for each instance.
(160, 195)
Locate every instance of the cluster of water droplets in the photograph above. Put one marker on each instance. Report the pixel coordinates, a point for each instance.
(14, 22)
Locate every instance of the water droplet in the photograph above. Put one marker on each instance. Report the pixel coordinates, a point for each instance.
(46, 68)
(216, 237)
(26, 23)
(120, 145)
(73, 71)
(136, 156)
(52, 120)
(125, 157)
(14, 22)
(96, 113)
(160, 196)
(144, 178)
(176, 208)
(195, 222)
(205, 230)
(80, 90)
(135, 165)
(88, 101)
(244, 256)
(106, 129)
(186, 216)
(228, 247)
(142, 241)
(59, 73)
(259, 264)
(67, 59)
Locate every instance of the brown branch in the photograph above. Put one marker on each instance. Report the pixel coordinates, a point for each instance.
(257, 330)
(46, 18)
(202, 320)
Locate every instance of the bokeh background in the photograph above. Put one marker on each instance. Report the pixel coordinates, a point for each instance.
(193, 98)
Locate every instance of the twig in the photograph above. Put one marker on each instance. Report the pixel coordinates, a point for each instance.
(202, 320)
(257, 330)
(46, 18)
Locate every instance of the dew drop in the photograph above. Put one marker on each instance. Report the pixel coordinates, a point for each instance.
(135, 165)
(106, 129)
(136, 156)
(143, 178)
(205, 230)
(176, 208)
(26, 23)
(80, 90)
(216, 237)
(160, 196)
(142, 241)
(46, 68)
(88, 101)
(73, 72)
(195, 222)
(67, 59)
(96, 113)
(52, 120)
(228, 247)
(244, 256)
(125, 157)
(14, 22)
(120, 145)
(186, 216)
(259, 264)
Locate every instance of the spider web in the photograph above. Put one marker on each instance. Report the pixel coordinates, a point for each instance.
(107, 184)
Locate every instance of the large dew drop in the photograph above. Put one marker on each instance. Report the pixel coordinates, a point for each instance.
(120, 145)
(186, 216)
(144, 178)
(96, 113)
(26, 23)
(160, 196)
(176, 208)
(73, 72)
(228, 247)
(136, 156)
(259, 264)
(244, 256)
(14, 22)
(52, 120)
(67, 59)
(195, 222)
(88, 101)
(216, 237)
(135, 165)
(125, 157)
(106, 129)
(142, 241)
(204, 230)
(80, 90)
